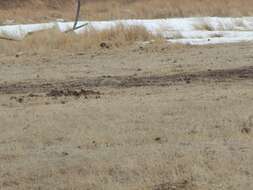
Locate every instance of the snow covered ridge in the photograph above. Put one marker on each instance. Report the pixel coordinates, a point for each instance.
(193, 31)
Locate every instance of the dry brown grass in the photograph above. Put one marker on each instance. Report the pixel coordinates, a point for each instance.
(46, 41)
(204, 26)
(119, 9)
(138, 138)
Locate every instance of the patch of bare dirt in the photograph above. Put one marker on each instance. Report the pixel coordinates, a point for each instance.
(176, 119)
(125, 82)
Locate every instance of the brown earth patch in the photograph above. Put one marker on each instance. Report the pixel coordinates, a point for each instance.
(125, 82)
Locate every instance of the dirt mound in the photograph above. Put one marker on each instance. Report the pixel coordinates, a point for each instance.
(69, 92)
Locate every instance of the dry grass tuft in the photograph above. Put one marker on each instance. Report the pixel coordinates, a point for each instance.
(204, 26)
(46, 41)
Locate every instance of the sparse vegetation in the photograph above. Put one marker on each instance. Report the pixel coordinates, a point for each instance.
(151, 116)
(176, 118)
(46, 41)
(26, 10)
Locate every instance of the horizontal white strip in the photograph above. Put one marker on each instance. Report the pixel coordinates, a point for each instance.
(194, 31)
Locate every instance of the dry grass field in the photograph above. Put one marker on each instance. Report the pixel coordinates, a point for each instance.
(153, 117)
(106, 111)
(27, 10)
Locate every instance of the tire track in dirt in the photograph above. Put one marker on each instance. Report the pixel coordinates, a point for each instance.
(242, 73)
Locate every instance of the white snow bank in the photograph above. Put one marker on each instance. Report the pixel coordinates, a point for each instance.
(194, 31)
(207, 41)
(18, 32)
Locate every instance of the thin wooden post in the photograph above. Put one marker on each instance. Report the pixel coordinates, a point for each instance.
(78, 7)
(78, 2)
